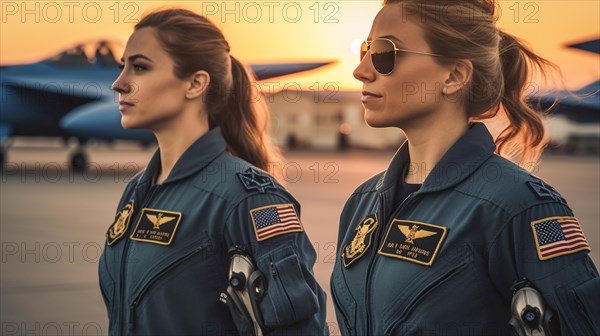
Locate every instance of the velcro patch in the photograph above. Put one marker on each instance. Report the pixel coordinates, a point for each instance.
(253, 180)
(556, 236)
(414, 241)
(120, 225)
(156, 226)
(544, 191)
(275, 220)
(361, 241)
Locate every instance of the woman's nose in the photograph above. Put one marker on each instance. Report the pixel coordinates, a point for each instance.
(120, 86)
(364, 70)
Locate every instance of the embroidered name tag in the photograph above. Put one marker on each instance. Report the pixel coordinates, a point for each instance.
(414, 241)
(156, 226)
(120, 225)
(361, 241)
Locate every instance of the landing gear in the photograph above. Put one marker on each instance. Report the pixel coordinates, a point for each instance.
(2, 158)
(147, 144)
(79, 157)
(79, 161)
(5, 145)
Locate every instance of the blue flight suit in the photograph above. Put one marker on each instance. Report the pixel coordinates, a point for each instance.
(443, 262)
(166, 259)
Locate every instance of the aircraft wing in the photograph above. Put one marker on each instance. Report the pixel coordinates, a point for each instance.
(91, 90)
(587, 100)
(582, 106)
(585, 97)
(266, 71)
(87, 83)
(591, 46)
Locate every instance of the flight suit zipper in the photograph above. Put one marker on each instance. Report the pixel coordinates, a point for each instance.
(147, 285)
(379, 230)
(340, 309)
(149, 195)
(277, 277)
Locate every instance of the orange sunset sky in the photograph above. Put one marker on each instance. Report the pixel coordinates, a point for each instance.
(283, 31)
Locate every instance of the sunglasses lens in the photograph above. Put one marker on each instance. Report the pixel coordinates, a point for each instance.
(383, 56)
(363, 50)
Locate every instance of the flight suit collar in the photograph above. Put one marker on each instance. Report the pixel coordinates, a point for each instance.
(460, 161)
(197, 156)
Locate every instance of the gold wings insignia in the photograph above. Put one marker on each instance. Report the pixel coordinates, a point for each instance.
(159, 219)
(423, 234)
(404, 229)
(414, 232)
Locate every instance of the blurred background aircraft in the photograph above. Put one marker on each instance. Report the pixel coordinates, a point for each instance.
(69, 95)
(574, 123)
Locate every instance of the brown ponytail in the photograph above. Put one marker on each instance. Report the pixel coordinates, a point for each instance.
(232, 100)
(245, 120)
(526, 126)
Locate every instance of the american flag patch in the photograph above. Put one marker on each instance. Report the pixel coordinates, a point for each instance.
(555, 236)
(275, 220)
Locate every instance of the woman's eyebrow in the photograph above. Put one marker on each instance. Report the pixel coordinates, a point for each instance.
(136, 56)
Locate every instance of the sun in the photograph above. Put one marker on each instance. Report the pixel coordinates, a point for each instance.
(355, 46)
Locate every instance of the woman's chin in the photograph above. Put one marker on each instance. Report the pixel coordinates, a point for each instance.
(373, 121)
(129, 124)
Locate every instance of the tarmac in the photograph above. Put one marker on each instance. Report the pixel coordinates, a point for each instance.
(53, 222)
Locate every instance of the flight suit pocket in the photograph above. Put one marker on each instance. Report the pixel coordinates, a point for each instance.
(587, 297)
(107, 287)
(425, 285)
(289, 299)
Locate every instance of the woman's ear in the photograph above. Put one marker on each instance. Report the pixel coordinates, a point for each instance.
(198, 84)
(459, 76)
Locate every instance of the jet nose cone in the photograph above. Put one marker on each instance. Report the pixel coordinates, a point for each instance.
(101, 121)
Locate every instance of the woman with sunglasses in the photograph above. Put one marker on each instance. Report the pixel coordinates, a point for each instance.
(453, 238)
(204, 241)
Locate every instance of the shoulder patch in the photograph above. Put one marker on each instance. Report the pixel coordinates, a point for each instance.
(274, 220)
(156, 226)
(556, 236)
(361, 242)
(544, 191)
(253, 180)
(120, 225)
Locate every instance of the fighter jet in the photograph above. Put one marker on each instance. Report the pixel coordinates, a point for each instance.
(69, 95)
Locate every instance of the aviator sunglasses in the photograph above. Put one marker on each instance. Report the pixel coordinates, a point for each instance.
(383, 54)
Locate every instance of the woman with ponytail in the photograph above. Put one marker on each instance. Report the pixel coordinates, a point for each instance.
(204, 240)
(455, 238)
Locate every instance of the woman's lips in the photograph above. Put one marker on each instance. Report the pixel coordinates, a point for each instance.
(369, 96)
(123, 105)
